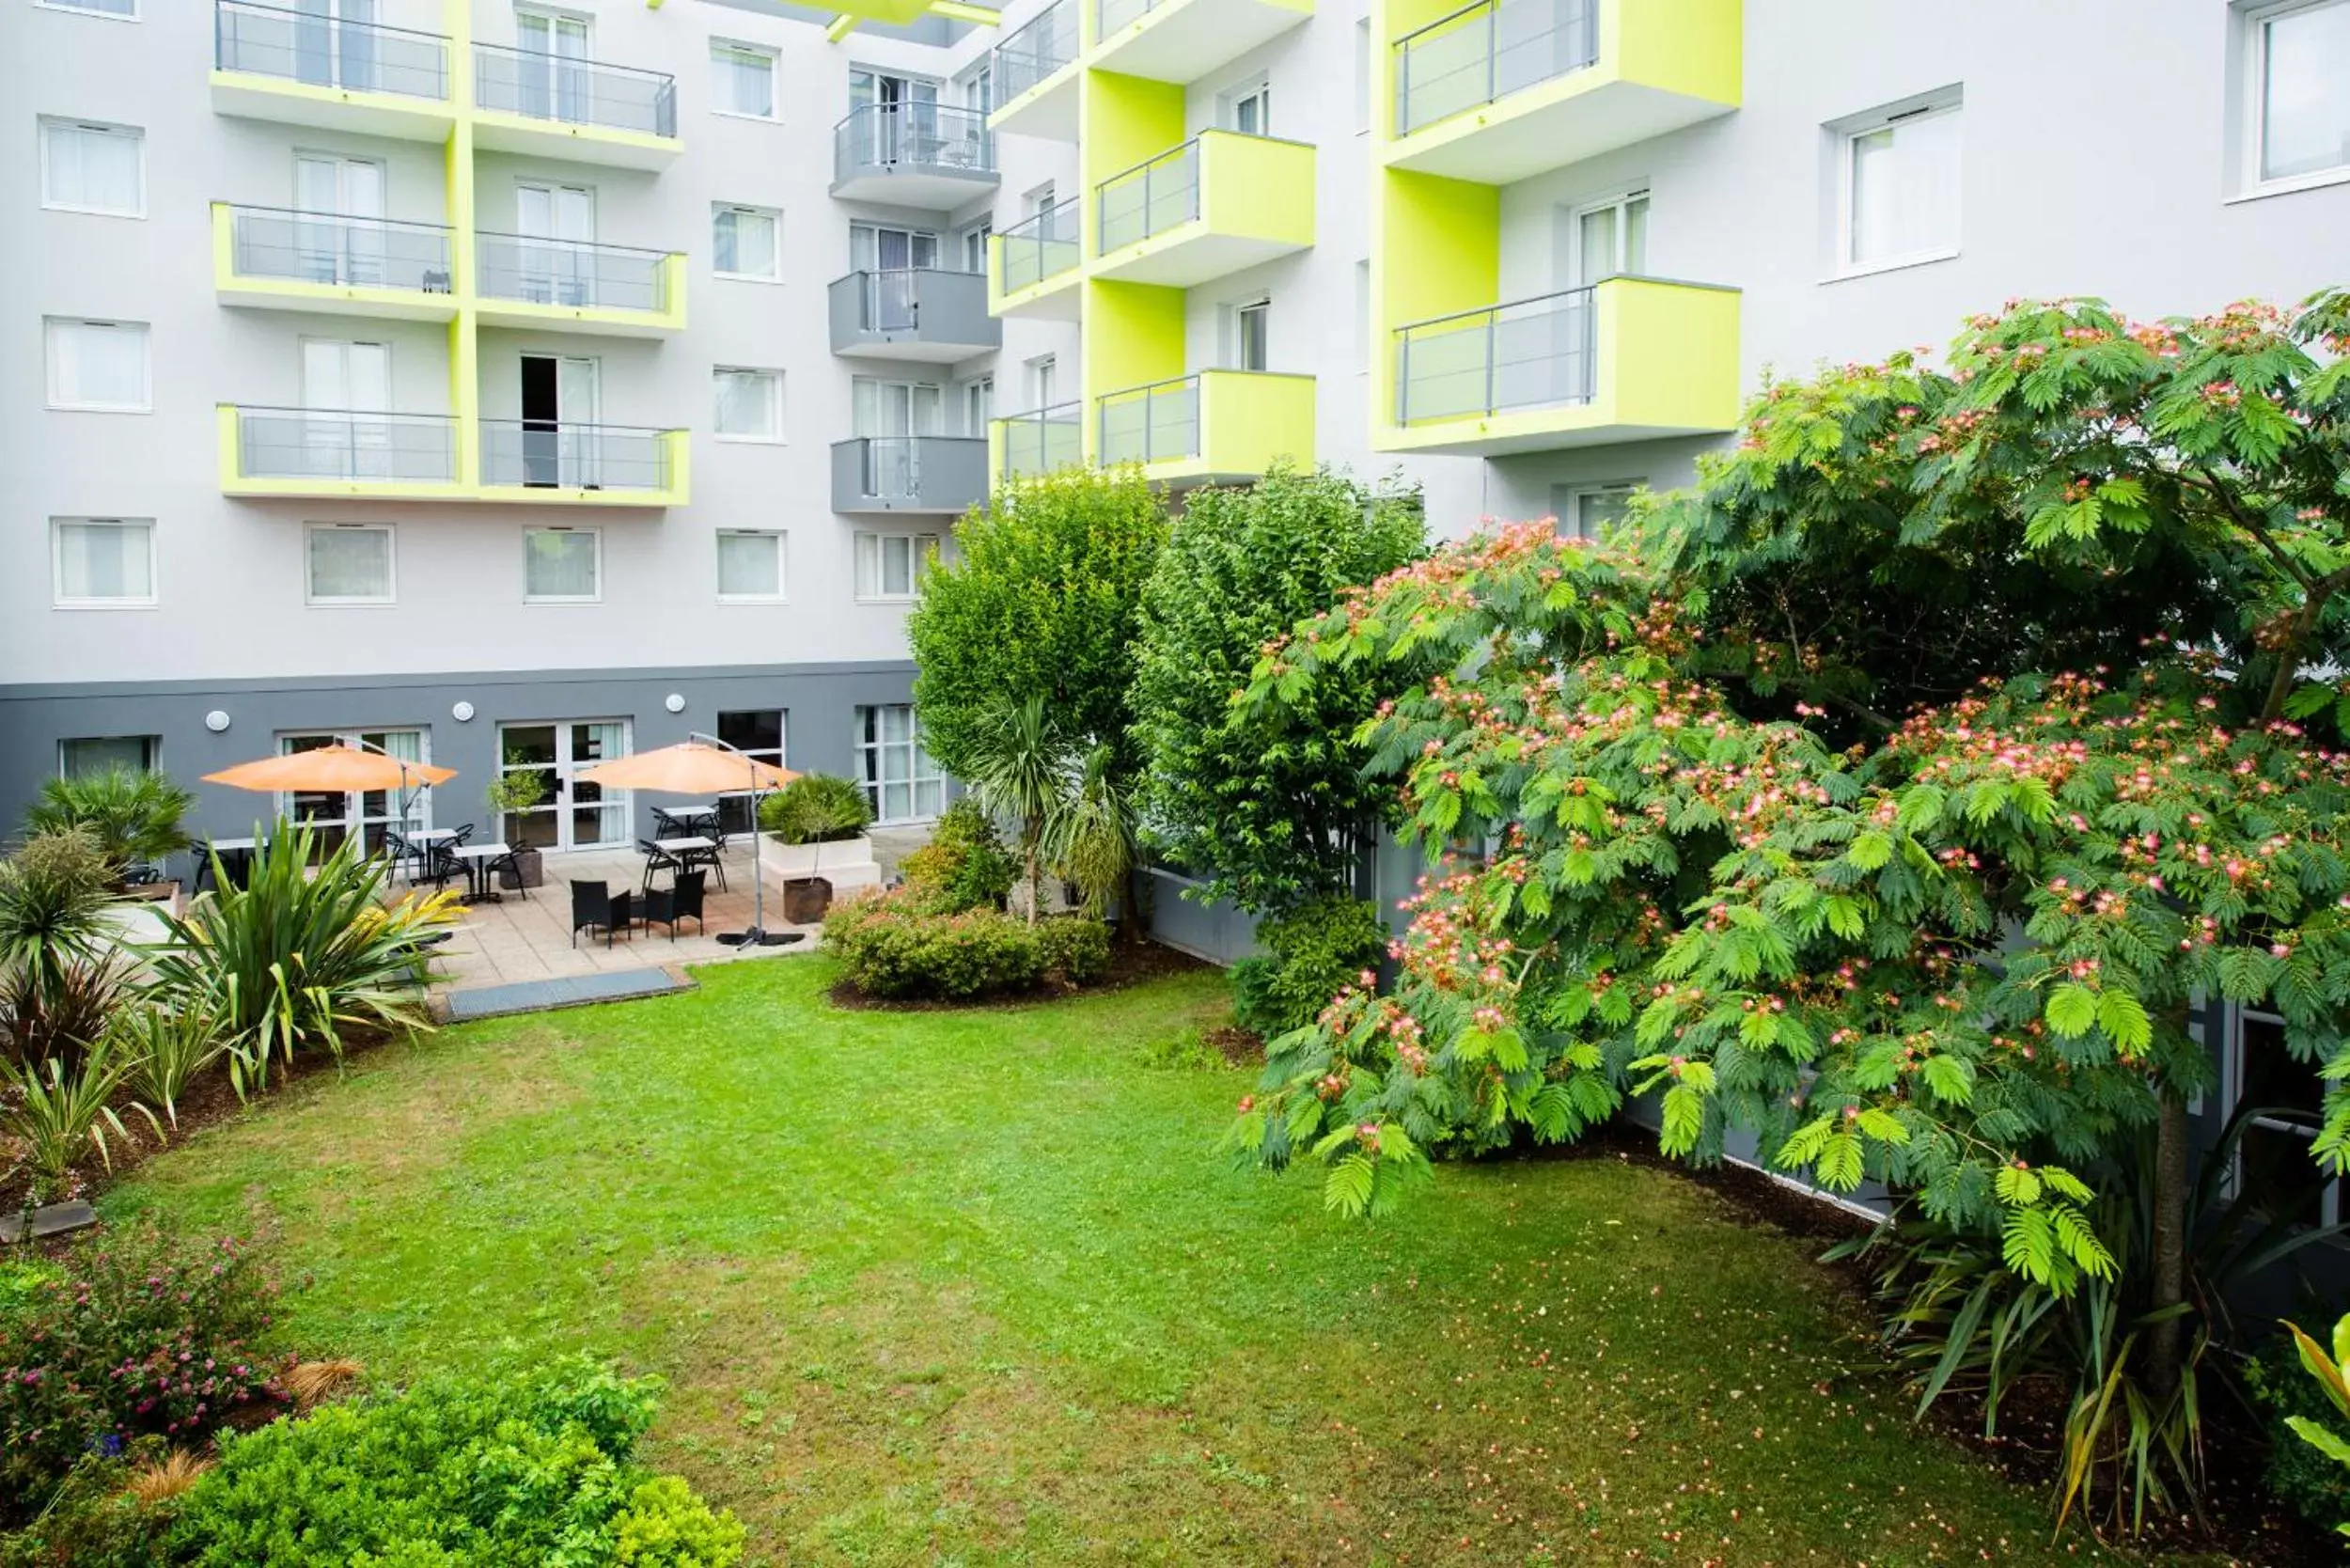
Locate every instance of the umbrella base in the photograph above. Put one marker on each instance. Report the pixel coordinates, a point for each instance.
(758, 937)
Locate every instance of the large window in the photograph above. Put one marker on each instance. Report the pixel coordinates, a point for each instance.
(1900, 173)
(91, 754)
(741, 80)
(89, 167)
(2301, 59)
(750, 566)
(1588, 511)
(901, 781)
(1610, 240)
(749, 404)
(563, 566)
(348, 563)
(743, 243)
(891, 566)
(759, 733)
(1251, 334)
(2273, 1168)
(103, 563)
(333, 815)
(99, 366)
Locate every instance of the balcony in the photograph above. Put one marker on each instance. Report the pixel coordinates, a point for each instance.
(1034, 263)
(1026, 444)
(913, 313)
(1182, 41)
(931, 156)
(553, 107)
(613, 465)
(324, 263)
(1216, 204)
(1036, 76)
(1214, 425)
(942, 475)
(521, 281)
(1502, 89)
(272, 63)
(1629, 359)
(333, 452)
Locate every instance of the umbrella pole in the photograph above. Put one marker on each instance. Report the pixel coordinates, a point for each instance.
(759, 936)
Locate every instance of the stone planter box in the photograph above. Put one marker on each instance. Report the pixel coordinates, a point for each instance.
(791, 862)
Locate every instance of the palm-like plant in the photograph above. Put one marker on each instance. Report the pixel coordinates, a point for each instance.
(167, 1046)
(134, 814)
(57, 1113)
(52, 901)
(1091, 838)
(1020, 769)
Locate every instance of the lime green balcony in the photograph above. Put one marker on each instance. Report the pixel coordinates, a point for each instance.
(1212, 426)
(325, 263)
(587, 111)
(1182, 41)
(578, 286)
(1502, 89)
(1215, 205)
(1033, 266)
(1025, 445)
(277, 63)
(1628, 359)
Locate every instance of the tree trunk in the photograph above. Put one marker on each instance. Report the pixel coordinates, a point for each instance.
(1036, 883)
(2166, 1338)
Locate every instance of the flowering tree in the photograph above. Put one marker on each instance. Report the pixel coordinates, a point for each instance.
(1886, 796)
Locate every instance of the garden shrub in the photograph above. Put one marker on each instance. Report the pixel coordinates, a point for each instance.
(91, 1521)
(1312, 953)
(963, 866)
(134, 814)
(458, 1472)
(891, 947)
(2298, 1474)
(137, 1332)
(1076, 949)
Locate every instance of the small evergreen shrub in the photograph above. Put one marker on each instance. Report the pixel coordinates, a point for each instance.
(1310, 954)
(816, 809)
(892, 948)
(963, 866)
(91, 1521)
(134, 814)
(2298, 1474)
(1078, 951)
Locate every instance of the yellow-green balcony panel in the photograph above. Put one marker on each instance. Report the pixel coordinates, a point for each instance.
(324, 263)
(1033, 266)
(1211, 427)
(1502, 89)
(1034, 71)
(1629, 359)
(275, 63)
(1182, 41)
(312, 452)
(1215, 205)
(578, 286)
(1022, 445)
(537, 461)
(587, 111)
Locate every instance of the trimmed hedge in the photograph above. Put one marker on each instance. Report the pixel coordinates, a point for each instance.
(892, 948)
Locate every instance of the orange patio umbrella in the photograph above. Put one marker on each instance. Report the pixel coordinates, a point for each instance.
(705, 765)
(329, 769)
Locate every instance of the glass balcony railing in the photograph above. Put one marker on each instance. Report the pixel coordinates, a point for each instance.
(539, 85)
(1043, 439)
(330, 248)
(328, 52)
(1034, 51)
(926, 136)
(576, 273)
(1042, 246)
(544, 454)
(1150, 199)
(339, 444)
(1528, 354)
(1485, 52)
(1110, 15)
(1150, 424)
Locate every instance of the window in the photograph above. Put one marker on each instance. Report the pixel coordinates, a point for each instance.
(875, 247)
(750, 565)
(978, 405)
(87, 754)
(93, 168)
(563, 566)
(1249, 324)
(891, 566)
(1043, 381)
(1610, 240)
(1900, 173)
(1362, 76)
(334, 815)
(894, 408)
(1249, 109)
(99, 365)
(103, 563)
(978, 90)
(742, 80)
(755, 732)
(974, 247)
(901, 783)
(2301, 89)
(349, 563)
(743, 243)
(2274, 1169)
(750, 405)
(1586, 512)
(124, 10)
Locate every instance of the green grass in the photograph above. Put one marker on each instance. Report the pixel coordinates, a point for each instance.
(978, 1288)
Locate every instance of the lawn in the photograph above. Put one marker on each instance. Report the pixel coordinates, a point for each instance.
(978, 1286)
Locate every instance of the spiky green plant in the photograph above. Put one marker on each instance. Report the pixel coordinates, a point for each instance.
(52, 901)
(1020, 768)
(1091, 837)
(57, 1113)
(166, 1048)
(134, 814)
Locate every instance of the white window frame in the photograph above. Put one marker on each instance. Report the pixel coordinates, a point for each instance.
(773, 215)
(916, 752)
(82, 8)
(136, 133)
(971, 243)
(1569, 522)
(1620, 202)
(2252, 89)
(594, 533)
(782, 594)
(390, 595)
(924, 548)
(147, 364)
(775, 80)
(1257, 90)
(1261, 308)
(354, 818)
(1932, 106)
(774, 435)
(57, 596)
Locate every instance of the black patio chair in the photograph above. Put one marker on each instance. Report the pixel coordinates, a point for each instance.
(437, 863)
(657, 859)
(462, 836)
(681, 901)
(594, 905)
(666, 825)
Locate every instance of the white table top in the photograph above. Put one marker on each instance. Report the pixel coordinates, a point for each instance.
(694, 842)
(431, 835)
(692, 809)
(476, 852)
(232, 843)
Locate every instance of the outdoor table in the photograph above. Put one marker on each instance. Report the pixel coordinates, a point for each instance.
(431, 835)
(698, 816)
(682, 853)
(234, 855)
(478, 859)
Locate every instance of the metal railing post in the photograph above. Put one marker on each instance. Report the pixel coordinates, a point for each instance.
(1404, 377)
(1492, 323)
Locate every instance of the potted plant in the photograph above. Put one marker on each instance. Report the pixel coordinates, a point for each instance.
(815, 822)
(515, 790)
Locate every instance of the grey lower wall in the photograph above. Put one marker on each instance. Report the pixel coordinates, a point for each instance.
(819, 703)
(1214, 931)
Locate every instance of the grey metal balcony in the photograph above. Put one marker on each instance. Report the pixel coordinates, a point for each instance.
(1538, 353)
(1484, 52)
(299, 46)
(1041, 440)
(932, 156)
(1043, 245)
(1030, 55)
(327, 262)
(543, 454)
(349, 444)
(940, 474)
(575, 275)
(585, 109)
(916, 313)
